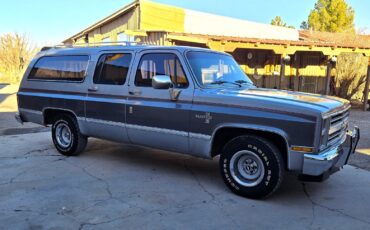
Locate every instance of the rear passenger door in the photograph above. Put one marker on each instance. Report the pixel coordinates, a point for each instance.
(107, 96)
(153, 119)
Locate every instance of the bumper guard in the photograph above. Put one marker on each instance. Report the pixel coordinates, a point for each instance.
(332, 160)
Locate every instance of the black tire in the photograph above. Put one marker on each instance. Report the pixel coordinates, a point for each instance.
(77, 141)
(246, 153)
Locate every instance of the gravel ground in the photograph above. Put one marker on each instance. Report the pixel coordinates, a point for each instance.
(362, 158)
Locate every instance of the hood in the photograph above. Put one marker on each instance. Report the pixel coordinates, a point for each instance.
(281, 99)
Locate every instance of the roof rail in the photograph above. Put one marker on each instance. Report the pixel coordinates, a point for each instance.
(94, 44)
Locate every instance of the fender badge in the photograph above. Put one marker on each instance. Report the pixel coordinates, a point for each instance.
(207, 117)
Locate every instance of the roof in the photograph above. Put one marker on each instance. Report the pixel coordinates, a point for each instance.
(189, 24)
(283, 47)
(105, 20)
(156, 16)
(205, 38)
(307, 38)
(339, 39)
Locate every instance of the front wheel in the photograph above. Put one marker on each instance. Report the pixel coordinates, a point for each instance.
(66, 135)
(251, 166)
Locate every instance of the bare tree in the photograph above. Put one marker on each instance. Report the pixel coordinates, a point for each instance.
(351, 75)
(15, 54)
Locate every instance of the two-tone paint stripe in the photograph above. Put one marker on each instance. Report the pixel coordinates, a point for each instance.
(133, 126)
(152, 129)
(74, 97)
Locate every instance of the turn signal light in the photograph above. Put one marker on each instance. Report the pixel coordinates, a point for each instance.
(302, 149)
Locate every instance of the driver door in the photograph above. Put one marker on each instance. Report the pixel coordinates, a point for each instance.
(153, 119)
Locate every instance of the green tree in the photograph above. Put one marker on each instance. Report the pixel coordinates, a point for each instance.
(332, 16)
(278, 21)
(304, 25)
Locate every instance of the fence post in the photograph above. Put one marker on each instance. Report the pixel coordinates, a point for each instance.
(331, 62)
(328, 77)
(283, 61)
(366, 90)
(282, 71)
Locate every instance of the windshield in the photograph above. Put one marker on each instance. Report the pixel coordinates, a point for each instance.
(215, 69)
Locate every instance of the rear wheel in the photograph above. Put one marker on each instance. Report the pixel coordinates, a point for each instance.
(251, 166)
(66, 135)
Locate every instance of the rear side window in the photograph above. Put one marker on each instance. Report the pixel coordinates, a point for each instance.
(63, 68)
(160, 64)
(112, 69)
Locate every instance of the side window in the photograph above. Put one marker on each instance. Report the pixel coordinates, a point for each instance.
(112, 69)
(160, 64)
(63, 68)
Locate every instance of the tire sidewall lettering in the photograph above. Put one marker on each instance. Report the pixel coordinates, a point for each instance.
(227, 175)
(265, 159)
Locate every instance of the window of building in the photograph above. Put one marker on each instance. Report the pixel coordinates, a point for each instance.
(65, 68)
(112, 69)
(160, 64)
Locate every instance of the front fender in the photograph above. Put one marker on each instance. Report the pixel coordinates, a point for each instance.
(263, 128)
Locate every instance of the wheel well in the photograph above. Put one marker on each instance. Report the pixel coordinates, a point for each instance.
(51, 114)
(224, 135)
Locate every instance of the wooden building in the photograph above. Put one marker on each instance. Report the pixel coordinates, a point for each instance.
(273, 57)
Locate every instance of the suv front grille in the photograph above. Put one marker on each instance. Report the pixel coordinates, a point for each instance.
(338, 126)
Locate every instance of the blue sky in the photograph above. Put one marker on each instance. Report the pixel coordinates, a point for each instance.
(49, 22)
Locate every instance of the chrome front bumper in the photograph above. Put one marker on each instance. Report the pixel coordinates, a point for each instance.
(331, 160)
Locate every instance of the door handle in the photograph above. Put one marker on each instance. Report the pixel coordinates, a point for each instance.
(93, 88)
(134, 92)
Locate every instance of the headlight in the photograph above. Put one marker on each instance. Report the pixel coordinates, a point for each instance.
(324, 133)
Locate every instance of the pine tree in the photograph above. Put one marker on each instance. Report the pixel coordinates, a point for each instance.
(304, 25)
(332, 16)
(278, 21)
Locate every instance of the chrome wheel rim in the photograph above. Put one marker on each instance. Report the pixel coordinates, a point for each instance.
(247, 168)
(63, 135)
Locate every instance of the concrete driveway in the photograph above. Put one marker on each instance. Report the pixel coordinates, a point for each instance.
(8, 108)
(114, 186)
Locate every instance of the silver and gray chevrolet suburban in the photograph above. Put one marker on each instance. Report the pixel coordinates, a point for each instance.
(187, 100)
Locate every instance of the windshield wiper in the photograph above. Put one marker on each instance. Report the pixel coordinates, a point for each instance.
(244, 82)
(224, 82)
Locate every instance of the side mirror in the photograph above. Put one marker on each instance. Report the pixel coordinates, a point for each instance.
(161, 82)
